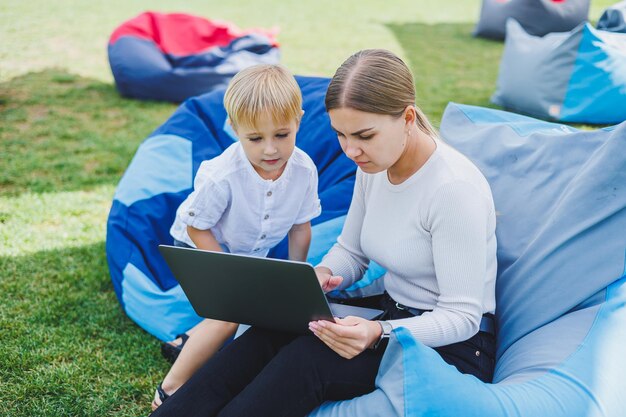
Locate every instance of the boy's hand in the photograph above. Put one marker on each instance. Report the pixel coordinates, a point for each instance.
(327, 280)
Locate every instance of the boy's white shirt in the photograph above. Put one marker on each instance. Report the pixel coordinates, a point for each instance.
(246, 213)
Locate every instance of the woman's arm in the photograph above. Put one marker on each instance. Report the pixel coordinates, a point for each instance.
(460, 222)
(460, 228)
(204, 239)
(346, 258)
(299, 241)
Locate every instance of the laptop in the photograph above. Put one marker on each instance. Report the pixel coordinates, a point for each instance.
(270, 293)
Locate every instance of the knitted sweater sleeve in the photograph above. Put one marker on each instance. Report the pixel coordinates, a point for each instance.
(458, 222)
(346, 258)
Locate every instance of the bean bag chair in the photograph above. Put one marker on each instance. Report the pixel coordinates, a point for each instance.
(538, 17)
(577, 76)
(172, 57)
(614, 18)
(560, 196)
(160, 177)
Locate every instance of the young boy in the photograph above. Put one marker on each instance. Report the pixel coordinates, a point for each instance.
(246, 200)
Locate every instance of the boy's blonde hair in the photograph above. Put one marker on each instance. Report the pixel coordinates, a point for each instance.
(263, 89)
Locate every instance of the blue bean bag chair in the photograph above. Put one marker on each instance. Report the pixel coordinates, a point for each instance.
(577, 76)
(560, 196)
(159, 178)
(171, 57)
(538, 17)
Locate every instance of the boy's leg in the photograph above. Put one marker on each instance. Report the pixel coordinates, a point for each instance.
(208, 337)
(225, 374)
(301, 377)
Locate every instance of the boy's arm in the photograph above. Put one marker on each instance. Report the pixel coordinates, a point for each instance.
(299, 241)
(204, 239)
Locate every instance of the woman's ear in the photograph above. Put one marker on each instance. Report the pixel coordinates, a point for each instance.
(410, 116)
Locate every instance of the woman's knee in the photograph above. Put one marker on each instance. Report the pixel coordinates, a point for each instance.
(307, 354)
(309, 346)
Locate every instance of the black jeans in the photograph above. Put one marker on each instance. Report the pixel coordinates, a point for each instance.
(475, 356)
(267, 373)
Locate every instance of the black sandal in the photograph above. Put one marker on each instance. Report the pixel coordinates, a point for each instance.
(162, 394)
(170, 351)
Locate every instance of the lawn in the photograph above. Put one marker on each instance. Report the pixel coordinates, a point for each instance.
(66, 137)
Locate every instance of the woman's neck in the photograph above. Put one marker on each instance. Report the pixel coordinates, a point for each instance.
(418, 149)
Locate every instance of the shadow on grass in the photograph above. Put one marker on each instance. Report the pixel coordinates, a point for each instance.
(62, 132)
(67, 346)
(449, 64)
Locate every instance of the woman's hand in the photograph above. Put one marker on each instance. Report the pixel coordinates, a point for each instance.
(348, 336)
(327, 280)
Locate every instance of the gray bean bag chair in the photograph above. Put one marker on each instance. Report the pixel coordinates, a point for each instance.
(538, 17)
(577, 76)
(614, 18)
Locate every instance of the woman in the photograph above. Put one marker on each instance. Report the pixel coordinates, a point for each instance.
(421, 210)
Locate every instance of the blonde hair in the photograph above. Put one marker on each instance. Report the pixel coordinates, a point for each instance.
(375, 81)
(263, 89)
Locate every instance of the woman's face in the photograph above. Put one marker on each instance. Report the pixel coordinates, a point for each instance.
(374, 142)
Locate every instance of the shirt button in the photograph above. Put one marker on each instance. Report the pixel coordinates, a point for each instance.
(267, 216)
(478, 353)
(263, 236)
(256, 249)
(269, 193)
(192, 213)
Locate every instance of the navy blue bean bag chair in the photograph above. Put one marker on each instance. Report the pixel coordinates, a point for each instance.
(172, 57)
(159, 178)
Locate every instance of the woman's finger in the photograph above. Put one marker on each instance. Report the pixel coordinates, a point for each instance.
(332, 344)
(339, 330)
(353, 333)
(345, 347)
(326, 336)
(338, 345)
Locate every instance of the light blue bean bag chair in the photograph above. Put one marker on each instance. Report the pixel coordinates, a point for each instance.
(577, 76)
(560, 195)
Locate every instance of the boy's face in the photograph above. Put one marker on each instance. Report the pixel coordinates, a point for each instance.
(269, 145)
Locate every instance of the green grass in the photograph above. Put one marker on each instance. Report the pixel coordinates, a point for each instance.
(67, 350)
(63, 132)
(66, 137)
